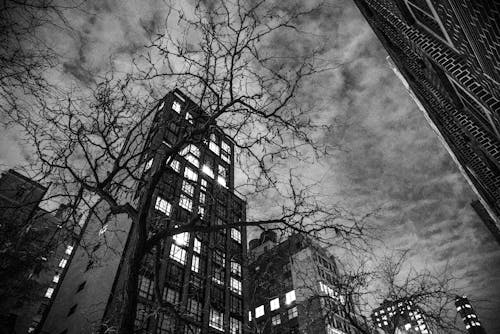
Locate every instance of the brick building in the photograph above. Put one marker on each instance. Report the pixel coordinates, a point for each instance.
(468, 315)
(293, 288)
(200, 276)
(32, 247)
(400, 316)
(448, 53)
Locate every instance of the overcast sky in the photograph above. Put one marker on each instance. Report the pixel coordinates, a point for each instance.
(389, 156)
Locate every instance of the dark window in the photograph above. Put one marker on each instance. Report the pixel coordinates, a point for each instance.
(236, 305)
(72, 309)
(81, 286)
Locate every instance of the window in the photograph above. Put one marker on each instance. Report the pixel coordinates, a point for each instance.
(236, 305)
(222, 175)
(249, 315)
(166, 324)
(216, 319)
(191, 153)
(219, 257)
(69, 250)
(72, 310)
(190, 174)
(178, 254)
(204, 184)
(55, 279)
(226, 152)
(176, 106)
(188, 188)
(236, 235)
(276, 320)
(194, 309)
(218, 275)
(171, 296)
(235, 326)
(290, 297)
(162, 104)
(142, 316)
(235, 268)
(259, 311)
(181, 239)
(145, 287)
(185, 202)
(202, 198)
(201, 212)
(163, 206)
(103, 229)
(275, 304)
(292, 313)
(208, 170)
(195, 264)
(175, 165)
(81, 286)
(63, 263)
(213, 144)
(189, 117)
(191, 329)
(235, 286)
(49, 292)
(197, 246)
(148, 164)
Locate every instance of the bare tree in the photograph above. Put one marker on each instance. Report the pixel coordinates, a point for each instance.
(90, 143)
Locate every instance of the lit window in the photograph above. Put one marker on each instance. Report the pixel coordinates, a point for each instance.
(69, 250)
(176, 106)
(63, 263)
(292, 313)
(216, 319)
(236, 235)
(195, 264)
(235, 326)
(190, 174)
(148, 164)
(407, 326)
(55, 279)
(226, 152)
(207, 170)
(103, 229)
(178, 254)
(163, 206)
(188, 188)
(160, 107)
(49, 292)
(197, 246)
(275, 304)
(175, 165)
(189, 117)
(259, 311)
(204, 184)
(219, 257)
(222, 174)
(235, 286)
(166, 324)
(235, 268)
(290, 297)
(191, 153)
(185, 202)
(276, 320)
(202, 197)
(201, 212)
(249, 315)
(181, 239)
(213, 144)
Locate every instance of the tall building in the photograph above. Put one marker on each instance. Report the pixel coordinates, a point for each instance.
(448, 53)
(31, 253)
(200, 274)
(469, 316)
(400, 316)
(293, 288)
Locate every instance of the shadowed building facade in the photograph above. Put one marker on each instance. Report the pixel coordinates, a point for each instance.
(293, 289)
(200, 274)
(448, 55)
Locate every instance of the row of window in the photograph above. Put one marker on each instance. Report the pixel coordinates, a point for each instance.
(274, 304)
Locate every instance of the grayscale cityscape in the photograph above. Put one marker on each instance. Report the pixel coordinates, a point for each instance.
(250, 167)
